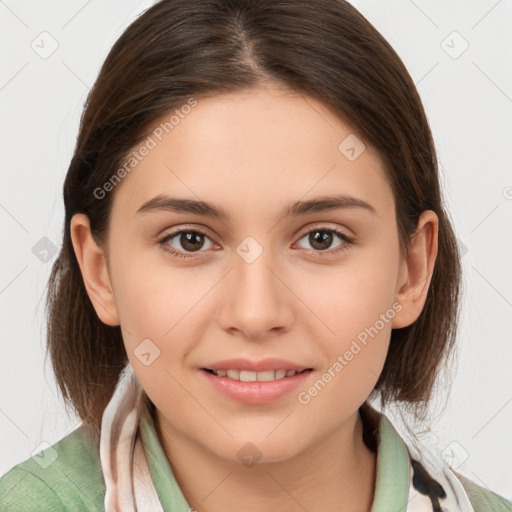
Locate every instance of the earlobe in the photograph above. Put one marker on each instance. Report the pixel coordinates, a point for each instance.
(93, 266)
(416, 270)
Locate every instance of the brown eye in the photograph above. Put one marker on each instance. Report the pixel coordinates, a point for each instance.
(321, 240)
(186, 241)
(191, 240)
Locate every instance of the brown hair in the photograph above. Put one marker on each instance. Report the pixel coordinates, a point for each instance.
(182, 48)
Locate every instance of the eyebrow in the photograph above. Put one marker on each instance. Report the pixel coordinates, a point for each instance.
(163, 202)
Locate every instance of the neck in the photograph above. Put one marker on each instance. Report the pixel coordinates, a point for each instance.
(337, 473)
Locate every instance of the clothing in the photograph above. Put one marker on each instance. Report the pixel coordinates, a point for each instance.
(85, 476)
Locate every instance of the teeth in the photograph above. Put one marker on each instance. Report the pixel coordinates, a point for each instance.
(248, 376)
(264, 376)
(233, 374)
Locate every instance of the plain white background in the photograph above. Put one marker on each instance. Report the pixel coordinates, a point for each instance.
(458, 54)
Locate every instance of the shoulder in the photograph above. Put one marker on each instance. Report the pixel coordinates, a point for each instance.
(65, 476)
(483, 499)
(22, 491)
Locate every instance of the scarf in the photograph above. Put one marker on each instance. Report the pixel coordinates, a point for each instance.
(129, 487)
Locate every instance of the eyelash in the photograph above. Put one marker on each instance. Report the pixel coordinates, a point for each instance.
(347, 242)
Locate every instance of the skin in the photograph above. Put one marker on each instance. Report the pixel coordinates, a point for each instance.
(253, 153)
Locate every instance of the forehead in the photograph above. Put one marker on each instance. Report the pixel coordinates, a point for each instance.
(252, 152)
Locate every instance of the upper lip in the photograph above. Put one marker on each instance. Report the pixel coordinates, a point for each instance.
(261, 365)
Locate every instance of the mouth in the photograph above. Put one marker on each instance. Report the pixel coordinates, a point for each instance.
(255, 388)
(252, 376)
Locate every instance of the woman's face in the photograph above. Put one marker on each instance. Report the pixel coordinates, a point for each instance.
(271, 279)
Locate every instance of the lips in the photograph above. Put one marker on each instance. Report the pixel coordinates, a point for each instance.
(249, 376)
(262, 365)
(255, 392)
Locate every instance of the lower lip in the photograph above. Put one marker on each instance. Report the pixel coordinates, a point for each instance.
(256, 392)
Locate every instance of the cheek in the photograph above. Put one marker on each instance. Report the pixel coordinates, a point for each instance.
(162, 318)
(155, 299)
(358, 315)
(345, 383)
(157, 307)
(359, 326)
(352, 297)
(354, 304)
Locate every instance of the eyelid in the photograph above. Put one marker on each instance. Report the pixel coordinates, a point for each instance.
(348, 240)
(185, 227)
(325, 226)
(184, 255)
(303, 231)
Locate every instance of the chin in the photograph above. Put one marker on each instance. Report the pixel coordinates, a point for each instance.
(256, 450)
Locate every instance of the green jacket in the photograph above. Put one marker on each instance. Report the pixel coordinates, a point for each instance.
(68, 477)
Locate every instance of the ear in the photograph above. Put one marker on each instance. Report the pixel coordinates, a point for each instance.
(416, 270)
(93, 266)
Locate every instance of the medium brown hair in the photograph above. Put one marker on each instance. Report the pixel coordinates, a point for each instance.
(182, 48)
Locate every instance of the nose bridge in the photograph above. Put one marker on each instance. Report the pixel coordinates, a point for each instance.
(256, 300)
(252, 270)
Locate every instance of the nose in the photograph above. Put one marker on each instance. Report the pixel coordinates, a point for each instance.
(256, 298)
